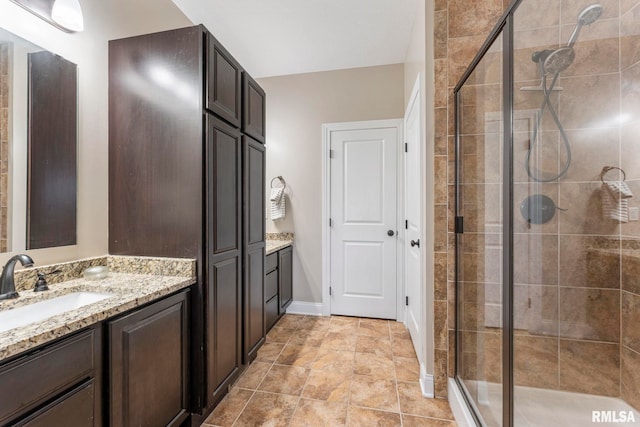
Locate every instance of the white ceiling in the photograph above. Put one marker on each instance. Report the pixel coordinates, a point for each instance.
(281, 37)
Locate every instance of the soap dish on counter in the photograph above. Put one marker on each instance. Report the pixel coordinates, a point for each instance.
(96, 273)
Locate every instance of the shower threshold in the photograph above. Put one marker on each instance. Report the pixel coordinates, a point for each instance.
(536, 407)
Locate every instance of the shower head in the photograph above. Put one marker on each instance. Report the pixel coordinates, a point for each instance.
(587, 16)
(558, 60)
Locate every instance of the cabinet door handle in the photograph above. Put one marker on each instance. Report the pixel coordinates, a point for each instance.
(415, 243)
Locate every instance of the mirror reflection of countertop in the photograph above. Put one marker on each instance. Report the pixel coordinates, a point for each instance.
(277, 241)
(133, 281)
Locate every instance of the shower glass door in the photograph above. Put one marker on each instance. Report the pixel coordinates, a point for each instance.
(480, 246)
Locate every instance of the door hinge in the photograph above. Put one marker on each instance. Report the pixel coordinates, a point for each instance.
(406, 224)
(330, 222)
(329, 290)
(406, 147)
(459, 225)
(331, 154)
(406, 300)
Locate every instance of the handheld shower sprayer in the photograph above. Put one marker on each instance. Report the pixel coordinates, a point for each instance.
(552, 62)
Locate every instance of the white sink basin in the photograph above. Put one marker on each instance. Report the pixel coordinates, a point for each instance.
(36, 312)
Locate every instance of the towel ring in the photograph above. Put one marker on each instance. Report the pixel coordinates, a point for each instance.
(607, 169)
(281, 179)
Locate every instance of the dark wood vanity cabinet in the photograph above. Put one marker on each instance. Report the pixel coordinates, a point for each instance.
(185, 182)
(56, 384)
(148, 365)
(278, 285)
(285, 279)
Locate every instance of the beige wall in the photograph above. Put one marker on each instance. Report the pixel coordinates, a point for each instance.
(297, 106)
(89, 49)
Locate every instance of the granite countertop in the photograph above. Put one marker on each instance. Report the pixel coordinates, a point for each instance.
(275, 245)
(161, 277)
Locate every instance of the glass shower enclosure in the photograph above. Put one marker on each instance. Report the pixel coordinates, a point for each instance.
(547, 230)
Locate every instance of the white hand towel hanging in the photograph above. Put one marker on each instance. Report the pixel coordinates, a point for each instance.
(615, 205)
(278, 203)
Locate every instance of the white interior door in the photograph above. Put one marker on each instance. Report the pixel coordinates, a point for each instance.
(363, 209)
(413, 200)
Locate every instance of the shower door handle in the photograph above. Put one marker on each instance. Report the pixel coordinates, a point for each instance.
(415, 243)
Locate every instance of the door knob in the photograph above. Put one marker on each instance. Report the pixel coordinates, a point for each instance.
(390, 233)
(415, 243)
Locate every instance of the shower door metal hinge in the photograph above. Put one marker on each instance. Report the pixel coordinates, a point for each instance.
(406, 147)
(459, 225)
(406, 300)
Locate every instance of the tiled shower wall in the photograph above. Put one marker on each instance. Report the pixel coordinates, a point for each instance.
(4, 142)
(577, 277)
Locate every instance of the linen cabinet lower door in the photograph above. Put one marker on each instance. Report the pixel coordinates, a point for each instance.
(148, 365)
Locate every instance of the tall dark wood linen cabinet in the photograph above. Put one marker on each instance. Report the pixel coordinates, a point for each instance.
(186, 179)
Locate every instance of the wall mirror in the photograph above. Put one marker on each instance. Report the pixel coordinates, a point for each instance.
(38, 146)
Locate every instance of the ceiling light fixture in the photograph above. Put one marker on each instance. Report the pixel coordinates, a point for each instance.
(68, 14)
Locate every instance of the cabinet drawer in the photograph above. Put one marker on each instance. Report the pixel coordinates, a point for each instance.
(270, 285)
(271, 262)
(271, 312)
(28, 381)
(73, 409)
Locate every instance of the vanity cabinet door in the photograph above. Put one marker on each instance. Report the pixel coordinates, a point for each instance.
(148, 365)
(223, 82)
(285, 288)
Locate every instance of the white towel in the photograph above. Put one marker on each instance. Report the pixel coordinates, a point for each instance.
(277, 199)
(615, 205)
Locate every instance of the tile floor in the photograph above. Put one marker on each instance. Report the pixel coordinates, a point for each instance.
(337, 371)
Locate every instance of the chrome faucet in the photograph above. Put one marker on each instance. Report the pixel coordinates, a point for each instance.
(7, 284)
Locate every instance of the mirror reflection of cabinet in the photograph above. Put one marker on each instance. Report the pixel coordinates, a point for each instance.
(38, 147)
(51, 183)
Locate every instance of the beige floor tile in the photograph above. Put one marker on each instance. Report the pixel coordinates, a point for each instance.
(313, 413)
(399, 331)
(269, 351)
(407, 368)
(285, 380)
(289, 321)
(374, 345)
(403, 348)
(280, 335)
(374, 328)
(374, 366)
(308, 337)
(363, 417)
(253, 376)
(374, 393)
(413, 421)
(296, 355)
(315, 323)
(230, 408)
(413, 403)
(274, 410)
(344, 324)
(340, 341)
(334, 360)
(327, 385)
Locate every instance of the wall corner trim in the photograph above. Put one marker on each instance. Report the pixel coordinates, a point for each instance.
(427, 385)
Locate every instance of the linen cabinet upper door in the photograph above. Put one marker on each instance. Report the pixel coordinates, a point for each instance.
(253, 108)
(223, 83)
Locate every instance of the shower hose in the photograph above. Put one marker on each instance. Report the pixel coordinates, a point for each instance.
(547, 91)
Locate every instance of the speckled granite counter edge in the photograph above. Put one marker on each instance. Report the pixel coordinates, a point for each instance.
(273, 246)
(279, 236)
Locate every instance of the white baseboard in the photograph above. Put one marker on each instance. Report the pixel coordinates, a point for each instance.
(459, 407)
(307, 308)
(427, 384)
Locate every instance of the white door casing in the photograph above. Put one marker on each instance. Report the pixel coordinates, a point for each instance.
(413, 214)
(363, 212)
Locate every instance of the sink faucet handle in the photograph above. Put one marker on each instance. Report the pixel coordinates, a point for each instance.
(41, 283)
